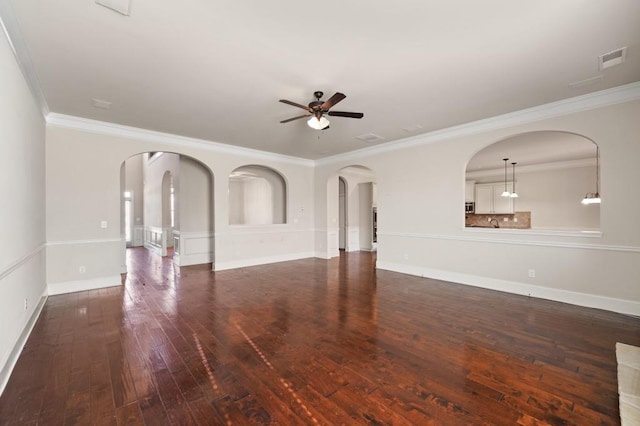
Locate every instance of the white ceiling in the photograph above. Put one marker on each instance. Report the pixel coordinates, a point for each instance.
(215, 70)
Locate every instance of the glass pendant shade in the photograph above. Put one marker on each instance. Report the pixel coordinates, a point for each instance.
(591, 198)
(318, 123)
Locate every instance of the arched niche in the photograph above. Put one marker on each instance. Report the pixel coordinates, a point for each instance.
(257, 196)
(553, 173)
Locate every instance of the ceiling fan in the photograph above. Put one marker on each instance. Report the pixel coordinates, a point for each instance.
(318, 109)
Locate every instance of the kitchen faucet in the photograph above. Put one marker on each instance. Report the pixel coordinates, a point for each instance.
(497, 225)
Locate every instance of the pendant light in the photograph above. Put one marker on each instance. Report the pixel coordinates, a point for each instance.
(594, 197)
(514, 194)
(506, 193)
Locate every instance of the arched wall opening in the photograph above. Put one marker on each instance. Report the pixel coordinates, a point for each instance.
(171, 206)
(553, 172)
(352, 207)
(257, 196)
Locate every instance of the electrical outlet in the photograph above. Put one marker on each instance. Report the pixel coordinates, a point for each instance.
(515, 219)
(82, 269)
(505, 219)
(532, 273)
(103, 224)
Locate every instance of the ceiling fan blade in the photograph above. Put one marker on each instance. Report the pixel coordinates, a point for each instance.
(295, 118)
(284, 101)
(337, 97)
(346, 114)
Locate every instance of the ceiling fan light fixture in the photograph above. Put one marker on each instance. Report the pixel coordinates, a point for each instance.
(318, 123)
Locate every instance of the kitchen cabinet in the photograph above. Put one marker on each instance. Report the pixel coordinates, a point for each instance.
(489, 200)
(469, 191)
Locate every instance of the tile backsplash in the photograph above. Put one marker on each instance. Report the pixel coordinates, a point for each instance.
(517, 220)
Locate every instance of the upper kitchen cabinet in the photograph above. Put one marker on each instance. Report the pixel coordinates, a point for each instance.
(469, 191)
(489, 199)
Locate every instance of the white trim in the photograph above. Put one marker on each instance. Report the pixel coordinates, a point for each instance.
(603, 247)
(187, 256)
(82, 285)
(233, 264)
(75, 242)
(11, 361)
(118, 130)
(622, 306)
(18, 45)
(616, 95)
(18, 263)
(260, 229)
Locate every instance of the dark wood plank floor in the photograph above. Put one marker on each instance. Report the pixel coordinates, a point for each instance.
(313, 342)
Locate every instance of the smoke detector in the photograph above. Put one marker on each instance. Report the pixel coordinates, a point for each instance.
(610, 59)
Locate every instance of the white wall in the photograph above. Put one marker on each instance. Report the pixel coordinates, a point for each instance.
(22, 215)
(134, 182)
(420, 191)
(196, 208)
(93, 170)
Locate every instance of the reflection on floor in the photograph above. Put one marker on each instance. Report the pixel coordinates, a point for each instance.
(312, 341)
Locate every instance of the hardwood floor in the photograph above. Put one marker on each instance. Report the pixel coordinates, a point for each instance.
(313, 342)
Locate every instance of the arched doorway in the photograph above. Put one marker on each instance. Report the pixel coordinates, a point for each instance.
(353, 227)
(169, 201)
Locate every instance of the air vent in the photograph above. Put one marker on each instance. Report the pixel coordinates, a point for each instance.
(370, 137)
(120, 6)
(612, 58)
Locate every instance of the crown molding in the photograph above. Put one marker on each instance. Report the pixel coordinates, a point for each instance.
(128, 132)
(14, 36)
(616, 95)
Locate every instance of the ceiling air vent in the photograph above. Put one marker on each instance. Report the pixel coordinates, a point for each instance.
(612, 58)
(370, 137)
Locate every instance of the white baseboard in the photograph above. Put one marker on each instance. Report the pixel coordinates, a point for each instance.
(82, 285)
(192, 259)
(7, 369)
(627, 307)
(221, 266)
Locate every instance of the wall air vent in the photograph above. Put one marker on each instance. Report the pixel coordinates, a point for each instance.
(120, 6)
(612, 58)
(370, 137)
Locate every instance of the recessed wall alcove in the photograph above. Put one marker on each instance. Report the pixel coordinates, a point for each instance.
(257, 196)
